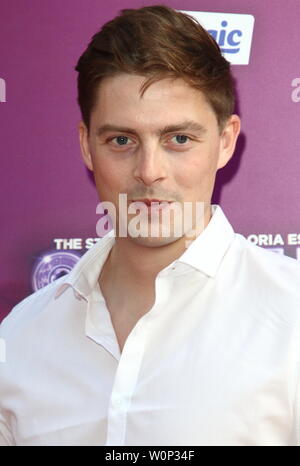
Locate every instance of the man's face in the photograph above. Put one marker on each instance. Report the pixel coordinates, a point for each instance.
(165, 145)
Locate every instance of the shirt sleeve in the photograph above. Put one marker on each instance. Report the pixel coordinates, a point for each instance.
(296, 391)
(6, 437)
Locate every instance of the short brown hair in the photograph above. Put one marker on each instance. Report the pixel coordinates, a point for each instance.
(156, 42)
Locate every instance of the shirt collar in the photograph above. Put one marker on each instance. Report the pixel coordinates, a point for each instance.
(205, 254)
(84, 275)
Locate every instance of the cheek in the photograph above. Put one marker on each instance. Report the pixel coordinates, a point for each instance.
(110, 180)
(107, 173)
(196, 173)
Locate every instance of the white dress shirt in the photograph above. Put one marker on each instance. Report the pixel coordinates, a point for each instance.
(214, 362)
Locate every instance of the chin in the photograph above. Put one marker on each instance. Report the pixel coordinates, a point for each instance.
(153, 242)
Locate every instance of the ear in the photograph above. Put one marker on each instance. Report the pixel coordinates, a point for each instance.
(228, 140)
(84, 145)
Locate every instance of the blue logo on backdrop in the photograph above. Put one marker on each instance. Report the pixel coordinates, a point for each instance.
(227, 40)
(232, 32)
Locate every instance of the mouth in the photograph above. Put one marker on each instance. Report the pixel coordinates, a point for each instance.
(150, 202)
(153, 205)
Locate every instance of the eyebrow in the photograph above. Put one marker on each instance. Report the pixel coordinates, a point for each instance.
(182, 126)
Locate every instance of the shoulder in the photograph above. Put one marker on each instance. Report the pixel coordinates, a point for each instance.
(269, 263)
(270, 280)
(29, 307)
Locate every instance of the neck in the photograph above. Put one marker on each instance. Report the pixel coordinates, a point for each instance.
(131, 262)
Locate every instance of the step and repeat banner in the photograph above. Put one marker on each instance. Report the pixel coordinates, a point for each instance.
(48, 197)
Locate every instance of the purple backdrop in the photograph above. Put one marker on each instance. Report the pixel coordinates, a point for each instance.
(46, 191)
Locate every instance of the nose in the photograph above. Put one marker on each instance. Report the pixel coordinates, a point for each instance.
(150, 165)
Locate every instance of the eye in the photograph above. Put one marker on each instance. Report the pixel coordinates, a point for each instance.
(180, 138)
(121, 140)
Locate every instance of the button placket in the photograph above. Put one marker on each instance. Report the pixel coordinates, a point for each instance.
(130, 363)
(125, 383)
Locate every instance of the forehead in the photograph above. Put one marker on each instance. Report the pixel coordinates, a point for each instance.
(119, 97)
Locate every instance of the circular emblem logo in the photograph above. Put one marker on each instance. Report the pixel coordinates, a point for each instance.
(51, 266)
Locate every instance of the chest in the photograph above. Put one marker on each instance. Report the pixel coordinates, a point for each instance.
(125, 319)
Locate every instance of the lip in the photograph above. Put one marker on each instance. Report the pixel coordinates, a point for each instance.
(149, 201)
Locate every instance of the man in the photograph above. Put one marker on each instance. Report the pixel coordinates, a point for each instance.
(157, 339)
